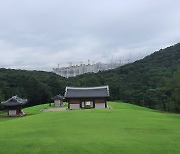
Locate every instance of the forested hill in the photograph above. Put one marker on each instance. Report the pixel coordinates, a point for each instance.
(152, 82)
(38, 86)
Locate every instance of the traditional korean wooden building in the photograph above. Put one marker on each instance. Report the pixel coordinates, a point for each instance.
(58, 100)
(14, 106)
(86, 98)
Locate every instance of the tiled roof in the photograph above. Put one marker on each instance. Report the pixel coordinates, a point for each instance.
(14, 101)
(58, 97)
(87, 92)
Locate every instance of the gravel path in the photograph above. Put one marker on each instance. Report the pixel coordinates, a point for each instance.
(54, 109)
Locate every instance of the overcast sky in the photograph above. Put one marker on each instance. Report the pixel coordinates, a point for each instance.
(39, 34)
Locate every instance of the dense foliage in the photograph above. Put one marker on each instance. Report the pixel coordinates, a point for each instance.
(38, 87)
(152, 82)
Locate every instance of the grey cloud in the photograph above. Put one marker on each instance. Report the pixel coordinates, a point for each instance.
(38, 34)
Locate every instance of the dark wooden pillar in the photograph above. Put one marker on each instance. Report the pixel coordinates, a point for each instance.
(68, 101)
(17, 111)
(80, 101)
(105, 103)
(93, 103)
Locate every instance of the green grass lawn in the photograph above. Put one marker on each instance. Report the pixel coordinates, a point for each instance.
(123, 129)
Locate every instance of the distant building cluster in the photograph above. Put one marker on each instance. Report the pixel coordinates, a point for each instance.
(74, 70)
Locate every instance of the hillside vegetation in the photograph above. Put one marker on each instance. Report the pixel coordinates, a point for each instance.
(123, 129)
(37, 86)
(152, 82)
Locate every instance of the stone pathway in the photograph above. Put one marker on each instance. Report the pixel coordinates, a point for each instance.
(57, 109)
(54, 109)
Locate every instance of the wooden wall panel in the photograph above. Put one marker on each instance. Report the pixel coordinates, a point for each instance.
(100, 100)
(74, 101)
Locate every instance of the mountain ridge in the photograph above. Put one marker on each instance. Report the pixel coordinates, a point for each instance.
(147, 82)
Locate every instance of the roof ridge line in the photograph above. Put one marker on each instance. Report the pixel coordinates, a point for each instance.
(99, 87)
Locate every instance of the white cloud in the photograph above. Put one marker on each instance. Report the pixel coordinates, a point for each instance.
(39, 34)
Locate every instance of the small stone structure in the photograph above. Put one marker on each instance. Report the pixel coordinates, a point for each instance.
(58, 100)
(14, 106)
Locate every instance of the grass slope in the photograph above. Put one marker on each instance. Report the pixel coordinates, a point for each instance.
(123, 129)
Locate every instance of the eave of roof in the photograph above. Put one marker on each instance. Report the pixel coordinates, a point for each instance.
(87, 92)
(58, 97)
(84, 88)
(14, 101)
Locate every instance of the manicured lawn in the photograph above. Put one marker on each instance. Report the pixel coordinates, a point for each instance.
(35, 109)
(123, 129)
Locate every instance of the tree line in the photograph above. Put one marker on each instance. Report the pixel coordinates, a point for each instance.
(152, 82)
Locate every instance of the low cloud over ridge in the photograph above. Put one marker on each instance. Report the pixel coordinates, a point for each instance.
(40, 34)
